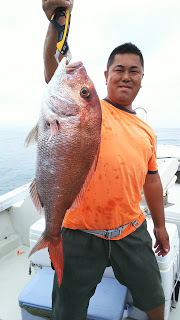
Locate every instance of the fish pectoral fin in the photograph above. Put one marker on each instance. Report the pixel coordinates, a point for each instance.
(32, 137)
(82, 192)
(35, 197)
(54, 126)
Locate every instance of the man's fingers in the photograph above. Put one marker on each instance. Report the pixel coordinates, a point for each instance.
(162, 245)
(49, 6)
(156, 244)
(160, 249)
(69, 4)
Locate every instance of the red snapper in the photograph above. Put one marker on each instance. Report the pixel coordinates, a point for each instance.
(68, 138)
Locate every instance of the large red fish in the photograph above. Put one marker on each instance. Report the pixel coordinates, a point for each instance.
(68, 138)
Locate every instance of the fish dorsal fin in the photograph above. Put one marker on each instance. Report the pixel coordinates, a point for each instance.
(32, 137)
(82, 192)
(35, 197)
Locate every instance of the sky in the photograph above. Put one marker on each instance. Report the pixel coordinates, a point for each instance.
(97, 27)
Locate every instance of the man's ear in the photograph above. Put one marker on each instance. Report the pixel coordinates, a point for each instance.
(141, 79)
(106, 75)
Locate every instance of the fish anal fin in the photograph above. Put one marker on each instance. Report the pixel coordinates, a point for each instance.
(41, 244)
(35, 197)
(32, 137)
(82, 192)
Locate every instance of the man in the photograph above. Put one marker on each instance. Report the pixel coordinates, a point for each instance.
(127, 163)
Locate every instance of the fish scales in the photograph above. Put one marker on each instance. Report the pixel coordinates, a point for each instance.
(68, 141)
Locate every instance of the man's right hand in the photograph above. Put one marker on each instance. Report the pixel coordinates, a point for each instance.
(49, 6)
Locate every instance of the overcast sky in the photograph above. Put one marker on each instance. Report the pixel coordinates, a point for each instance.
(96, 28)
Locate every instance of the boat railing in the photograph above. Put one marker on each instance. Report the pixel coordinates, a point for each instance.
(10, 198)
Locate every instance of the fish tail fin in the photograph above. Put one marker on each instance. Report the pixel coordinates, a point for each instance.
(55, 252)
(56, 255)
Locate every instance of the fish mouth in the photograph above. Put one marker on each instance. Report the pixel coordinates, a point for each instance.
(68, 68)
(73, 66)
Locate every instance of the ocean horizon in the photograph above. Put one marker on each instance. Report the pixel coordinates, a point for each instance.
(17, 163)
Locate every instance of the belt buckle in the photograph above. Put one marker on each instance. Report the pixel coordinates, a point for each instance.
(107, 234)
(120, 230)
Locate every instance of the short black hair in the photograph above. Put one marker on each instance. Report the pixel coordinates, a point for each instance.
(122, 49)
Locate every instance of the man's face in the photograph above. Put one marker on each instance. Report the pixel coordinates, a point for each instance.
(123, 79)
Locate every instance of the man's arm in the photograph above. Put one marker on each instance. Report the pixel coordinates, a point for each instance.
(154, 197)
(50, 64)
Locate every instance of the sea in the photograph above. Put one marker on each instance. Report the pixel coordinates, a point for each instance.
(17, 163)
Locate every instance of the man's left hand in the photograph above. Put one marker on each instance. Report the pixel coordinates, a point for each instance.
(162, 241)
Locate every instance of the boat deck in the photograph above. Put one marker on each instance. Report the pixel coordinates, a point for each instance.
(14, 270)
(14, 274)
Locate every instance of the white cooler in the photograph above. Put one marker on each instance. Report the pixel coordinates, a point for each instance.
(168, 265)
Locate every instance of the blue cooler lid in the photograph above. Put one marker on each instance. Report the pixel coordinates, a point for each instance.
(108, 301)
(38, 292)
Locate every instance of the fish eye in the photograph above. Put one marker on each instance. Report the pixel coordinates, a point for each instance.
(84, 93)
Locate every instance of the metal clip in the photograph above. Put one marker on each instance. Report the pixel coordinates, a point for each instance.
(135, 224)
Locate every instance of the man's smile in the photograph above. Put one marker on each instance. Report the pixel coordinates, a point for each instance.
(125, 87)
